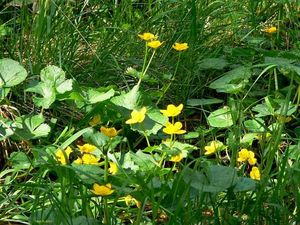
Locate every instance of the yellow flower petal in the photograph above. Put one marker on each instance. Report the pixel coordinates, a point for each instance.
(109, 132)
(212, 147)
(255, 173)
(61, 155)
(96, 120)
(154, 44)
(177, 158)
(180, 46)
(113, 168)
(86, 148)
(89, 159)
(137, 116)
(129, 200)
(243, 155)
(147, 36)
(172, 110)
(271, 30)
(173, 128)
(102, 190)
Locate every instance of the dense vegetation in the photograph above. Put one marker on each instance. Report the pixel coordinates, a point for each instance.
(149, 112)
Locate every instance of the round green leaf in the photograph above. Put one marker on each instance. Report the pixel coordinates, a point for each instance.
(220, 118)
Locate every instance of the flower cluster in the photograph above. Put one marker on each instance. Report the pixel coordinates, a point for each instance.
(152, 42)
(245, 155)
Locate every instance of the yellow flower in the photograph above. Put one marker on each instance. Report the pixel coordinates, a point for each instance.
(129, 200)
(271, 30)
(251, 158)
(173, 128)
(154, 44)
(172, 110)
(109, 132)
(137, 116)
(86, 148)
(177, 158)
(255, 174)
(78, 161)
(213, 147)
(89, 159)
(180, 46)
(243, 155)
(61, 155)
(96, 120)
(147, 36)
(246, 155)
(113, 168)
(102, 190)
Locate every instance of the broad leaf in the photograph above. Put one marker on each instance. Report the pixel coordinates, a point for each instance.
(220, 118)
(31, 127)
(128, 100)
(212, 63)
(233, 81)
(11, 73)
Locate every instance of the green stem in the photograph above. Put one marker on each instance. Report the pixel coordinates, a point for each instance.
(147, 67)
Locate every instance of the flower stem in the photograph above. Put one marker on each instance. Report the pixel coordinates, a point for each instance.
(147, 67)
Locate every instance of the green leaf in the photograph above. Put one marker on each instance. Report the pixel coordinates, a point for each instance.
(96, 138)
(52, 83)
(233, 81)
(144, 161)
(11, 73)
(88, 174)
(128, 100)
(220, 118)
(255, 125)
(46, 91)
(94, 96)
(19, 160)
(153, 122)
(220, 178)
(212, 63)
(7, 128)
(31, 127)
(203, 101)
(244, 184)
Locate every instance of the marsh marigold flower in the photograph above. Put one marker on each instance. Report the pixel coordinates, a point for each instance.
(102, 190)
(246, 155)
(86, 148)
(109, 132)
(271, 30)
(177, 158)
(180, 46)
(173, 128)
(129, 200)
(255, 173)
(137, 116)
(212, 147)
(61, 155)
(96, 120)
(113, 168)
(87, 159)
(147, 36)
(154, 44)
(172, 110)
